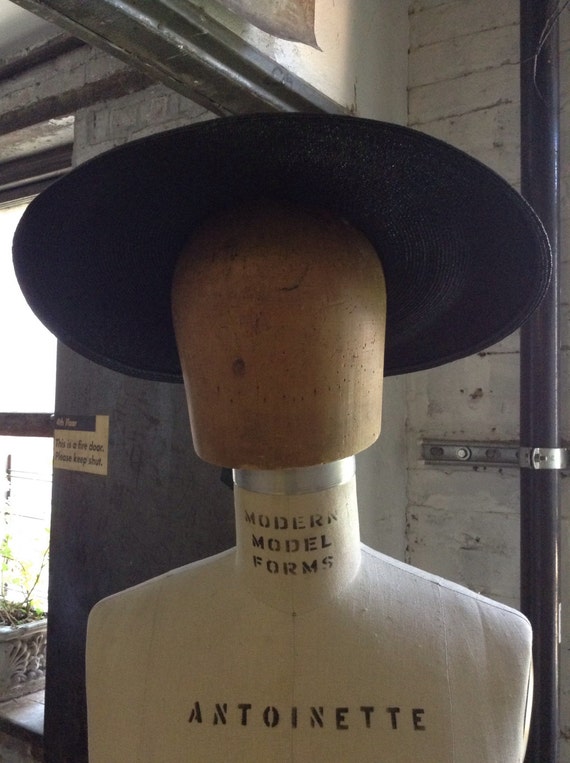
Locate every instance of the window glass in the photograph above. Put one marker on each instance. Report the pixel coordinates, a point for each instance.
(27, 385)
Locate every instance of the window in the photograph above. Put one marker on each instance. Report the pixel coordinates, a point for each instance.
(27, 386)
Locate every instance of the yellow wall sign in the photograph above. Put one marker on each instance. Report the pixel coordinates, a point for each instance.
(81, 443)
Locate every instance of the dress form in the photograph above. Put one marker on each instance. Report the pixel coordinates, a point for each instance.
(299, 645)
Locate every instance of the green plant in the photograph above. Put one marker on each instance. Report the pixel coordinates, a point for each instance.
(20, 579)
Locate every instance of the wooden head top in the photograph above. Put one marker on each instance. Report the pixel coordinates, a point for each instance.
(279, 314)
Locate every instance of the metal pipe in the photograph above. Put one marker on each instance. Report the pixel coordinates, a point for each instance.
(539, 415)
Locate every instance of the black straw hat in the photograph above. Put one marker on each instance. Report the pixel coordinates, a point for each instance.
(466, 260)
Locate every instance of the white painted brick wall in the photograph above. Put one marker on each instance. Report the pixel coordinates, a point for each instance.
(464, 78)
(448, 98)
(437, 20)
(464, 523)
(463, 56)
(67, 73)
(108, 124)
(476, 398)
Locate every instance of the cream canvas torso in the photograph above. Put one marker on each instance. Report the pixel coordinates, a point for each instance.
(388, 665)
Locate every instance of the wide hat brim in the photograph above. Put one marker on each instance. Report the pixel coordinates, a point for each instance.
(466, 260)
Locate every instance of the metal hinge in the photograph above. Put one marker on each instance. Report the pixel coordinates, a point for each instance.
(493, 454)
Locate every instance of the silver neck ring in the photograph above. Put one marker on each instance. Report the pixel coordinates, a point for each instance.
(307, 479)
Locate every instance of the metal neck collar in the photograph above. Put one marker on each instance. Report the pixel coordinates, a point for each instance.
(308, 479)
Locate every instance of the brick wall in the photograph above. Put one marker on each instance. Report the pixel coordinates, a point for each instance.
(136, 115)
(462, 523)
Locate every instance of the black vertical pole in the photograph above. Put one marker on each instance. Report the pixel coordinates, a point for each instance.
(539, 425)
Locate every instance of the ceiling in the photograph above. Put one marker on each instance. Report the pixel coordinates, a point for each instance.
(19, 28)
(178, 45)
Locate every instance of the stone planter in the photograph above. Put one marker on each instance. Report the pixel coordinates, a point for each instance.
(22, 659)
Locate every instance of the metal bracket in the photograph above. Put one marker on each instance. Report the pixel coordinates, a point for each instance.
(499, 454)
(543, 458)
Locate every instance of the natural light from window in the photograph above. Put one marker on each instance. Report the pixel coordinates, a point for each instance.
(27, 385)
(27, 381)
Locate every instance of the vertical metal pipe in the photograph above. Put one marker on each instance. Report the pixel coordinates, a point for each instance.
(539, 422)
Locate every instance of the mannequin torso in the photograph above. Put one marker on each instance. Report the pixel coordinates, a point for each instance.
(302, 645)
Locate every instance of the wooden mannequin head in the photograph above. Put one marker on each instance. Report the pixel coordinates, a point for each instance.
(279, 314)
